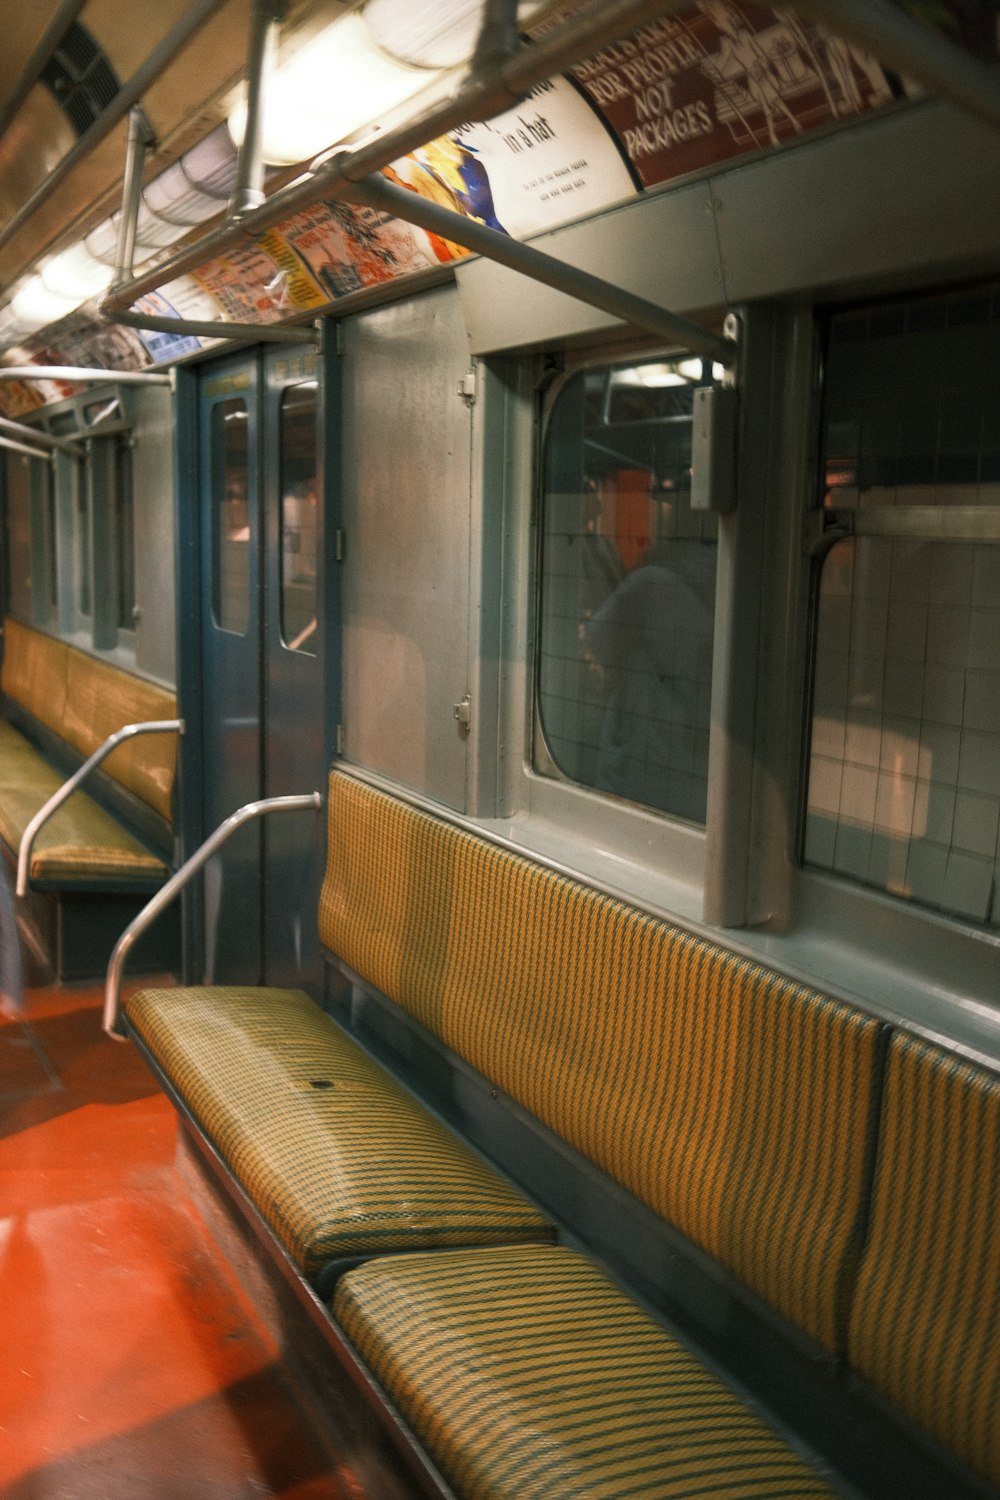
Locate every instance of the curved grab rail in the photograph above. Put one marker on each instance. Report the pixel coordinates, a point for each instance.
(177, 882)
(42, 816)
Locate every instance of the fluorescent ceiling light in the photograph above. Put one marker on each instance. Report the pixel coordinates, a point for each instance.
(340, 82)
(34, 304)
(77, 274)
(431, 33)
(654, 376)
(648, 376)
(425, 33)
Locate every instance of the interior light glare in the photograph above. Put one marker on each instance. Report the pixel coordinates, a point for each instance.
(77, 274)
(426, 33)
(649, 376)
(334, 86)
(34, 305)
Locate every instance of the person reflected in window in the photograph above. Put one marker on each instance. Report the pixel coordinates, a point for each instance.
(601, 566)
(652, 640)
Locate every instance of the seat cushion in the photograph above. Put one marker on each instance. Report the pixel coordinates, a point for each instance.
(526, 1372)
(80, 843)
(732, 1101)
(925, 1320)
(101, 699)
(34, 672)
(337, 1157)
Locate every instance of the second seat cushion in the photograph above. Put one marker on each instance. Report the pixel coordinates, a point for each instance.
(526, 1372)
(335, 1155)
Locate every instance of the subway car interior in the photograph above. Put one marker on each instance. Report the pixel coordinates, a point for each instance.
(500, 749)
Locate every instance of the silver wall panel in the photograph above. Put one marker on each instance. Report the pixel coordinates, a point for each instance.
(892, 201)
(895, 202)
(662, 247)
(406, 517)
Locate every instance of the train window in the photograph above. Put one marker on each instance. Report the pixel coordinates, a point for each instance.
(904, 784)
(84, 553)
(124, 536)
(297, 427)
(44, 547)
(231, 540)
(627, 592)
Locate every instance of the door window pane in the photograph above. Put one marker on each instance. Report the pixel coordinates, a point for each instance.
(230, 495)
(299, 509)
(124, 534)
(904, 783)
(627, 588)
(81, 490)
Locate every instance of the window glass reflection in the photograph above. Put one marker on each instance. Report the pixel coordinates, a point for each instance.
(230, 483)
(299, 517)
(627, 588)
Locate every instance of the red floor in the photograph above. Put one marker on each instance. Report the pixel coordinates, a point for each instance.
(129, 1363)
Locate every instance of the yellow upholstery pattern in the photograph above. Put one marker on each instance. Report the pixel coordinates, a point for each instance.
(80, 842)
(34, 672)
(732, 1101)
(335, 1155)
(100, 699)
(84, 700)
(925, 1322)
(22, 765)
(526, 1373)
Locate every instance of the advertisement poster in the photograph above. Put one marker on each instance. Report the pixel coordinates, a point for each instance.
(726, 78)
(345, 248)
(163, 347)
(548, 160)
(18, 398)
(251, 287)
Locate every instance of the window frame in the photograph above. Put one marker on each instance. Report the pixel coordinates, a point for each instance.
(85, 598)
(826, 526)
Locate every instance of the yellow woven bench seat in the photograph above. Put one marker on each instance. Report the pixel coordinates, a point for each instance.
(83, 700)
(335, 1155)
(81, 842)
(733, 1102)
(525, 1372)
(925, 1321)
(22, 765)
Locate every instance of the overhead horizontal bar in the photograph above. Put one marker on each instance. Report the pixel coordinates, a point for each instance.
(85, 374)
(14, 447)
(378, 192)
(479, 98)
(915, 50)
(40, 438)
(130, 92)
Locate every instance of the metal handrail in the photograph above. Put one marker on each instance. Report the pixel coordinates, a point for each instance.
(39, 59)
(44, 813)
(46, 458)
(378, 192)
(926, 56)
(477, 98)
(39, 437)
(85, 374)
(176, 883)
(133, 89)
(916, 51)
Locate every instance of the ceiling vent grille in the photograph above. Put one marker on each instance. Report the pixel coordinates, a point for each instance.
(80, 78)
